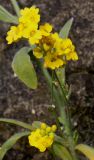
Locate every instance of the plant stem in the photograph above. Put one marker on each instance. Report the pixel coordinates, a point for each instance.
(63, 114)
(67, 121)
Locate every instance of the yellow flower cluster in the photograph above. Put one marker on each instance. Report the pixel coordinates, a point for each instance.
(54, 50)
(27, 27)
(43, 137)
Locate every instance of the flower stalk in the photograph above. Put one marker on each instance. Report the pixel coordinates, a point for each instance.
(62, 103)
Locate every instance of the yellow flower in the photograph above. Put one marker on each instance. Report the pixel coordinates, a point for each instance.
(46, 29)
(55, 37)
(72, 56)
(11, 35)
(48, 41)
(53, 61)
(48, 129)
(27, 27)
(43, 126)
(29, 15)
(38, 53)
(53, 128)
(68, 50)
(40, 138)
(54, 50)
(14, 34)
(46, 47)
(27, 30)
(66, 43)
(35, 36)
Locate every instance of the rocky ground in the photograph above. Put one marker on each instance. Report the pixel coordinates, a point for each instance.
(19, 102)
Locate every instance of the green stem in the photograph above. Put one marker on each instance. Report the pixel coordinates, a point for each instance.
(49, 81)
(52, 87)
(63, 115)
(16, 7)
(66, 102)
(67, 121)
(55, 94)
(68, 132)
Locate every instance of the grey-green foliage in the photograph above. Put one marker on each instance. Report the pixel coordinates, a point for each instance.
(88, 151)
(64, 32)
(61, 152)
(24, 69)
(16, 7)
(10, 143)
(5, 16)
(16, 122)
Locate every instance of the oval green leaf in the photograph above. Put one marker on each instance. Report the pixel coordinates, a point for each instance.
(86, 150)
(61, 152)
(10, 142)
(24, 69)
(64, 32)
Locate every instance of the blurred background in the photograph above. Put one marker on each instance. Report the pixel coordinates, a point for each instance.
(19, 102)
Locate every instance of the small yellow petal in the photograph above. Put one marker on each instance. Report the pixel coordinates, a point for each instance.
(54, 128)
(43, 125)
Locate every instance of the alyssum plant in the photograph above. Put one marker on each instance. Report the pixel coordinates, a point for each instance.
(52, 52)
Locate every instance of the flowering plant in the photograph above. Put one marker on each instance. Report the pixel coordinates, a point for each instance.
(52, 52)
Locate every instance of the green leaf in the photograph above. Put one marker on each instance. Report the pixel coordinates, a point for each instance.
(61, 75)
(16, 7)
(10, 142)
(61, 140)
(36, 124)
(16, 122)
(61, 152)
(60, 120)
(24, 69)
(75, 136)
(5, 16)
(86, 150)
(64, 32)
